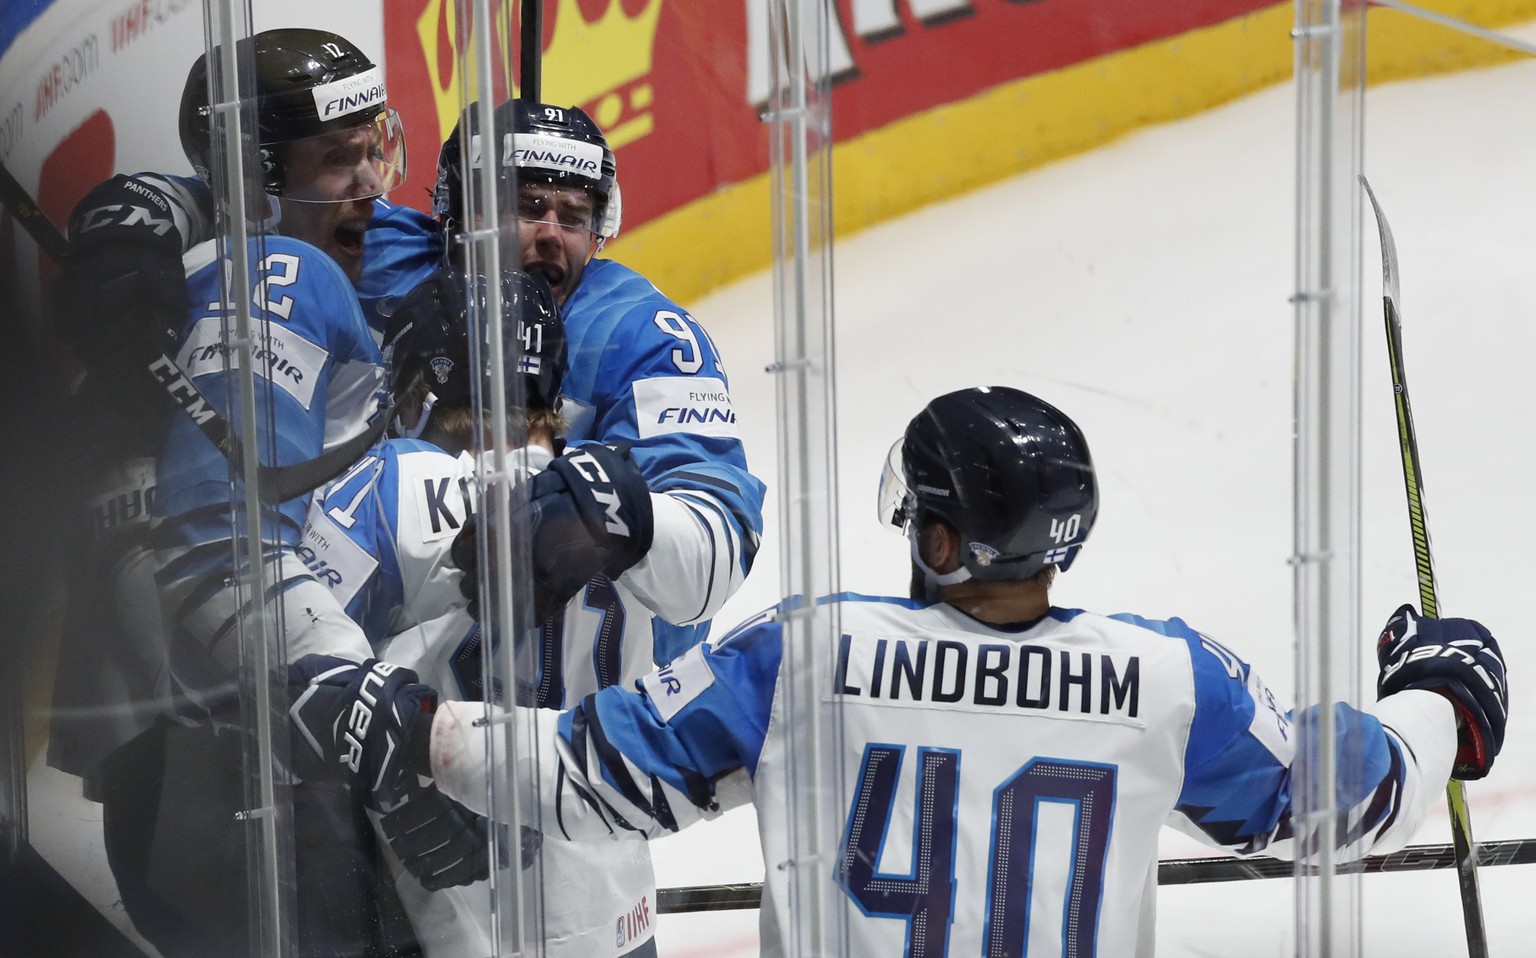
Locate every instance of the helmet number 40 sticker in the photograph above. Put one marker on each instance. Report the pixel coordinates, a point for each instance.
(1063, 532)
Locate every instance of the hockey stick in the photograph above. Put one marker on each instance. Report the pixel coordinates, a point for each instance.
(1466, 853)
(531, 55)
(15, 199)
(1172, 871)
(273, 483)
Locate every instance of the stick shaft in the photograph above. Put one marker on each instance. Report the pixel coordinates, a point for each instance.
(1466, 852)
(1174, 871)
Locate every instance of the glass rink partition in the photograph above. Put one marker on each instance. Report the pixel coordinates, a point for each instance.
(1153, 220)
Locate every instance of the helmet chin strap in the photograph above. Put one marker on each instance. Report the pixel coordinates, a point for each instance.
(421, 421)
(933, 580)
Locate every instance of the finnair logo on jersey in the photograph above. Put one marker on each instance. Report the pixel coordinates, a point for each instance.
(338, 561)
(696, 415)
(352, 95)
(127, 503)
(684, 404)
(552, 153)
(681, 681)
(981, 676)
(283, 358)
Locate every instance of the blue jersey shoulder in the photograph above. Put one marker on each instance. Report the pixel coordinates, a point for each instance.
(401, 248)
(1224, 705)
(621, 328)
(776, 611)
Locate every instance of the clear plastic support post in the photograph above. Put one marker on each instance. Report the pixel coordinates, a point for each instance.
(1329, 37)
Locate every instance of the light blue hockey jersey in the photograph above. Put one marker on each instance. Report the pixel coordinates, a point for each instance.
(644, 372)
(318, 383)
(995, 791)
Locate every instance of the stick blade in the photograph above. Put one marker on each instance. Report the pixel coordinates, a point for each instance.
(1389, 282)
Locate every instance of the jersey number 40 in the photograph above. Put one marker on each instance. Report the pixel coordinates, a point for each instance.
(924, 898)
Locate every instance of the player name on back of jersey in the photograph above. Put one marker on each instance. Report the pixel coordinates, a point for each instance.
(978, 675)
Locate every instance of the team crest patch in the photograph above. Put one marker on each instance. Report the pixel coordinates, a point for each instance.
(984, 554)
(442, 366)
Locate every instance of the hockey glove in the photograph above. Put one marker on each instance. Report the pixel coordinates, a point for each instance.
(438, 840)
(588, 514)
(465, 554)
(370, 719)
(122, 295)
(1459, 659)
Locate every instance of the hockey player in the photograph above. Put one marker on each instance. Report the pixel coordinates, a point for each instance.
(327, 147)
(643, 372)
(1005, 764)
(382, 536)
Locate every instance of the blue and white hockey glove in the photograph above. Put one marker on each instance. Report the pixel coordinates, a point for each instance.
(369, 721)
(122, 295)
(1459, 659)
(588, 514)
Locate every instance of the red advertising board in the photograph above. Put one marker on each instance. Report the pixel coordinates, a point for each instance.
(678, 87)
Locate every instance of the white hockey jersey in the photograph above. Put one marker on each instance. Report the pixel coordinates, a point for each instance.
(380, 537)
(999, 791)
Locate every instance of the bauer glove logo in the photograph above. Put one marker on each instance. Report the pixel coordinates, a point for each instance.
(361, 716)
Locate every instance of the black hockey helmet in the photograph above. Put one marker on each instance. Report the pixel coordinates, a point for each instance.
(308, 83)
(1008, 471)
(538, 143)
(430, 330)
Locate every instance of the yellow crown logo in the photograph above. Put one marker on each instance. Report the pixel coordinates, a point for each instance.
(603, 66)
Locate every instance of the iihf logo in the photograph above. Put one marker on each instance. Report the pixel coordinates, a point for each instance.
(442, 366)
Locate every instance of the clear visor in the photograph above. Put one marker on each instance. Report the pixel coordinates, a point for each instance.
(357, 163)
(896, 501)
